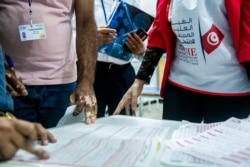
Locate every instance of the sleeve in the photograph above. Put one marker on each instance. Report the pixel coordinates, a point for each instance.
(244, 43)
(6, 102)
(244, 40)
(149, 62)
(155, 47)
(154, 35)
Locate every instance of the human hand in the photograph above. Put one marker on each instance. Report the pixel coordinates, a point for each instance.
(135, 44)
(14, 84)
(129, 99)
(105, 35)
(84, 98)
(18, 134)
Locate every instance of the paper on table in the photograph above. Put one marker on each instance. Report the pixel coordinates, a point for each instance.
(226, 144)
(100, 145)
(68, 117)
(177, 158)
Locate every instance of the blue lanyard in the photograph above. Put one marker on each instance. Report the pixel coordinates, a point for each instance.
(29, 1)
(30, 12)
(104, 11)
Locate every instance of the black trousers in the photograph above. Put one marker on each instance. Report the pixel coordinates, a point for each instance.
(180, 104)
(111, 83)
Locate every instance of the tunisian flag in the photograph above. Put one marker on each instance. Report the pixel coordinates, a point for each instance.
(211, 40)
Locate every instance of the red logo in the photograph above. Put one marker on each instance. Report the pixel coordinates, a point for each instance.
(212, 39)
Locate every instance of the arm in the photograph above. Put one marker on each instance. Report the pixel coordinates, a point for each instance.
(86, 47)
(145, 72)
(244, 47)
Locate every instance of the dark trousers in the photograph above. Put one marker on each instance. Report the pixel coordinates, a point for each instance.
(111, 82)
(180, 104)
(44, 104)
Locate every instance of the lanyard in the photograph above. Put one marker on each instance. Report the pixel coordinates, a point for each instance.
(104, 11)
(30, 12)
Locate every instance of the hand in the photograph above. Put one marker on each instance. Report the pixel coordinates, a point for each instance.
(18, 134)
(135, 44)
(85, 99)
(14, 84)
(129, 99)
(105, 35)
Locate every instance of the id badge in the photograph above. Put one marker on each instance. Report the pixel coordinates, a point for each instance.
(30, 32)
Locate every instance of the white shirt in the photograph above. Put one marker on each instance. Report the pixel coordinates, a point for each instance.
(205, 58)
(100, 21)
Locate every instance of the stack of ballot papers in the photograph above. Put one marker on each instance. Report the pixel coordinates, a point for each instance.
(222, 144)
(100, 145)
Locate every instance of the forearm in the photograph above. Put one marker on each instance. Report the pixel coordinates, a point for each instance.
(86, 47)
(149, 62)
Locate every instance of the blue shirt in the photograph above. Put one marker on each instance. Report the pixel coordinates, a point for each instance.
(6, 102)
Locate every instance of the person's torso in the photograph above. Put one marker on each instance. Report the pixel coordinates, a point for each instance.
(205, 58)
(100, 14)
(43, 61)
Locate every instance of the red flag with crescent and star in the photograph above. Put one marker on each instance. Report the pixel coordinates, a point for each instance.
(211, 40)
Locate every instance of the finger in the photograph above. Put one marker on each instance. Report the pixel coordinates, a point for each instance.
(21, 88)
(21, 141)
(127, 109)
(134, 104)
(40, 153)
(90, 114)
(11, 90)
(7, 151)
(106, 30)
(133, 39)
(94, 114)
(79, 108)
(34, 131)
(104, 26)
(44, 135)
(119, 107)
(26, 129)
(136, 38)
(72, 99)
(79, 105)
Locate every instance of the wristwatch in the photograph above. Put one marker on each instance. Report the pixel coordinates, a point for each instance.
(7, 114)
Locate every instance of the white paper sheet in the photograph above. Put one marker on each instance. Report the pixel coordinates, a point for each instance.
(177, 158)
(100, 145)
(68, 117)
(227, 144)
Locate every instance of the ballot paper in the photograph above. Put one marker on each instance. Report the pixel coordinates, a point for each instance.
(177, 158)
(68, 117)
(226, 144)
(100, 145)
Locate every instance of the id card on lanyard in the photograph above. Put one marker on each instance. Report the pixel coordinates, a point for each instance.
(31, 31)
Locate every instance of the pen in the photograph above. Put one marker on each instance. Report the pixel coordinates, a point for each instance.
(9, 61)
